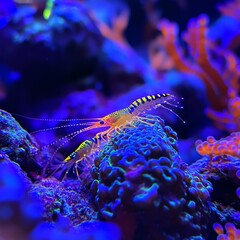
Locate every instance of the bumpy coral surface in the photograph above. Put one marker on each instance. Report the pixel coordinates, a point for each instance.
(17, 143)
(64, 199)
(140, 179)
(45, 209)
(223, 173)
(232, 232)
(225, 146)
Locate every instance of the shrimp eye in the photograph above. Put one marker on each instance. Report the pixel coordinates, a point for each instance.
(101, 122)
(73, 155)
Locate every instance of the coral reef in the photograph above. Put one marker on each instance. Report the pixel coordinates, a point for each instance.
(222, 171)
(224, 146)
(231, 232)
(19, 212)
(67, 200)
(37, 209)
(17, 143)
(139, 173)
(86, 59)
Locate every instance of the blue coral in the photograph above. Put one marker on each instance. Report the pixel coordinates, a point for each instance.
(46, 209)
(19, 212)
(222, 173)
(17, 143)
(141, 172)
(63, 199)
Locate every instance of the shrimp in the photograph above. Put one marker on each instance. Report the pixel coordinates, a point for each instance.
(117, 120)
(84, 151)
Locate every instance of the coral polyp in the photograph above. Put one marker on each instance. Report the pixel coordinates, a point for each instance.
(224, 146)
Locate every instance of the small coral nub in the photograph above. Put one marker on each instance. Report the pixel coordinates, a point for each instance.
(224, 146)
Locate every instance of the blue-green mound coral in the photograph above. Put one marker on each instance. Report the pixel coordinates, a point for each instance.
(140, 181)
(222, 172)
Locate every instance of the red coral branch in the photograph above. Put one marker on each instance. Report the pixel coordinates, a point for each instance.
(199, 43)
(169, 31)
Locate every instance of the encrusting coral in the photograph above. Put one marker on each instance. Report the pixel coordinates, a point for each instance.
(140, 180)
(17, 143)
(220, 166)
(225, 146)
(35, 208)
(232, 233)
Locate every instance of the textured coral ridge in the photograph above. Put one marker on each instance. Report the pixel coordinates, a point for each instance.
(47, 209)
(223, 171)
(139, 177)
(16, 142)
(63, 199)
(232, 232)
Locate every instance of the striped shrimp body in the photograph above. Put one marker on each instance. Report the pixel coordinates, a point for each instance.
(141, 105)
(118, 119)
(129, 115)
(84, 150)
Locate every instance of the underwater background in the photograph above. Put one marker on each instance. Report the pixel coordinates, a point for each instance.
(171, 172)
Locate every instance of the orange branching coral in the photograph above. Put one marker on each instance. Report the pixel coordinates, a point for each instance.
(199, 46)
(222, 88)
(229, 119)
(231, 9)
(119, 23)
(225, 146)
(232, 233)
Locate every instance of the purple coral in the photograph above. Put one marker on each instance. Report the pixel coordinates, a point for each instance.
(63, 199)
(139, 176)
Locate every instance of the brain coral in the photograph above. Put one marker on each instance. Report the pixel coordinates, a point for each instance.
(141, 183)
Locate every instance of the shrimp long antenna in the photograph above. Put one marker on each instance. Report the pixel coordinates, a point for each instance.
(70, 134)
(177, 105)
(169, 109)
(63, 126)
(56, 120)
(66, 140)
